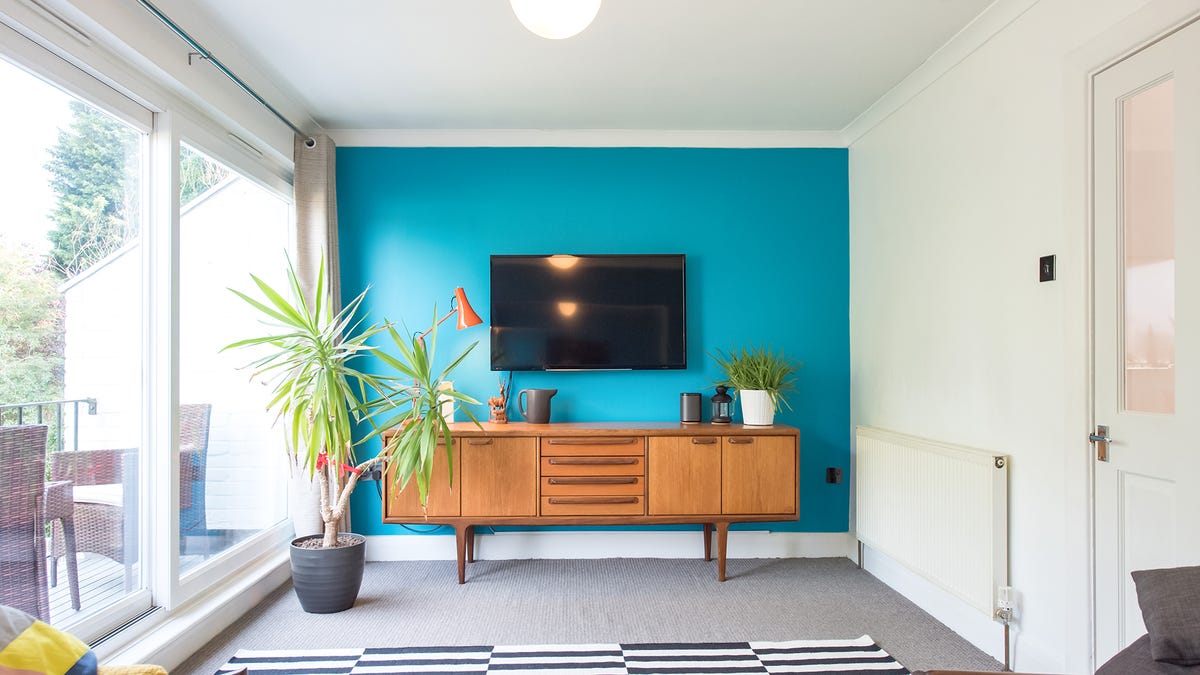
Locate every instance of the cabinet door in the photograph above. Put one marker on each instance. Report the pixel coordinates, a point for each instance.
(758, 475)
(443, 495)
(683, 475)
(499, 476)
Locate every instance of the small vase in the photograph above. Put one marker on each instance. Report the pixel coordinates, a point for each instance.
(757, 408)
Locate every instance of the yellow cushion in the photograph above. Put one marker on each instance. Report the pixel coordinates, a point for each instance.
(31, 646)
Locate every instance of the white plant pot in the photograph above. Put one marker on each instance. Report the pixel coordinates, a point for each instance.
(304, 503)
(757, 409)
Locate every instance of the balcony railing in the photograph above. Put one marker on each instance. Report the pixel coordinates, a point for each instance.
(58, 415)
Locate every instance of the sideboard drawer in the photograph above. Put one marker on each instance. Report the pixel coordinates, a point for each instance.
(593, 485)
(594, 506)
(593, 446)
(594, 466)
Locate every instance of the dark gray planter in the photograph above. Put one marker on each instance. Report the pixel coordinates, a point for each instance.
(327, 579)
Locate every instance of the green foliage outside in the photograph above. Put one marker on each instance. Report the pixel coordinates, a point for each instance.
(94, 169)
(31, 335)
(197, 173)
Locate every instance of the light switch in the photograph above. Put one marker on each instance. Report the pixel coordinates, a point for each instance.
(1046, 268)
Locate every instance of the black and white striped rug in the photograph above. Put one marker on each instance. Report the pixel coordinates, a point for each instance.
(798, 656)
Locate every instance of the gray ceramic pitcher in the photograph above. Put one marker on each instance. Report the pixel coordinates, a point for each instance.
(539, 404)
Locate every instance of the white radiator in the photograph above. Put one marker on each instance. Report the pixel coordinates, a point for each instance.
(939, 509)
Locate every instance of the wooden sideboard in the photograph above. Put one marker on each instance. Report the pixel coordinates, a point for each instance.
(607, 474)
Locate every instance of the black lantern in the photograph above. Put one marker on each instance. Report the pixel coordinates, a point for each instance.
(722, 406)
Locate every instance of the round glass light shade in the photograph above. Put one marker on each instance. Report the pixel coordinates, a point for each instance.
(555, 19)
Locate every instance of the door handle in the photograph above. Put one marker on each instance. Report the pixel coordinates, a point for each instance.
(1101, 439)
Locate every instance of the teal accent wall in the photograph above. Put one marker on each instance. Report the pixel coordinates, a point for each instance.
(765, 231)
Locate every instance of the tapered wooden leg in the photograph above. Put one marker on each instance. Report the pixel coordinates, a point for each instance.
(722, 541)
(708, 528)
(460, 543)
(470, 543)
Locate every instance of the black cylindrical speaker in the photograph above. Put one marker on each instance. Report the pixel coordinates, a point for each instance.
(689, 408)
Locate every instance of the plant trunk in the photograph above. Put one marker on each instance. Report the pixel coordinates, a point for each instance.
(331, 534)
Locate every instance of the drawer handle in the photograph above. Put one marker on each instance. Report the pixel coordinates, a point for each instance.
(592, 441)
(595, 480)
(479, 441)
(594, 500)
(704, 440)
(594, 461)
(740, 440)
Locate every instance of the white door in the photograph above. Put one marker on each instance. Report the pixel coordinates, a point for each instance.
(1147, 324)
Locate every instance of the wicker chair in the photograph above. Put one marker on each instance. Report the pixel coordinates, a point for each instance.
(100, 528)
(22, 520)
(193, 464)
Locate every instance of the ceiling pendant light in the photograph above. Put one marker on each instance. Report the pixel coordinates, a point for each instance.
(555, 19)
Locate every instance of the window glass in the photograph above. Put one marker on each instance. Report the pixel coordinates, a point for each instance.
(231, 457)
(71, 352)
(1148, 217)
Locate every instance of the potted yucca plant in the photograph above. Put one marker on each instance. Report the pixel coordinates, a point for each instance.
(762, 378)
(311, 356)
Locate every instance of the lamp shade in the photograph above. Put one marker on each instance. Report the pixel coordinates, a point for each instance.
(466, 316)
(555, 19)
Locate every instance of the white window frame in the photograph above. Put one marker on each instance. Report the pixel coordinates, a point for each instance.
(54, 51)
(218, 568)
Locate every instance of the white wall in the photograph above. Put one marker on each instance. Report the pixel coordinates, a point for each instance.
(102, 351)
(954, 196)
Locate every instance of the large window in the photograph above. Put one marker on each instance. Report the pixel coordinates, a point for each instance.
(141, 465)
(71, 351)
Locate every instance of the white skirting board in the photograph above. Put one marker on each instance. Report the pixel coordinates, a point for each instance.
(958, 615)
(613, 544)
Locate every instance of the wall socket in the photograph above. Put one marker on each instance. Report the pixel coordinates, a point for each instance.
(833, 475)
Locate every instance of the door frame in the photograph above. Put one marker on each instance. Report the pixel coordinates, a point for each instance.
(1155, 21)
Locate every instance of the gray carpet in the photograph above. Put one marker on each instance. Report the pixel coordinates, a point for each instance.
(609, 600)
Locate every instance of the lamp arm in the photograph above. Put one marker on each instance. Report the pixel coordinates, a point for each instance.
(439, 322)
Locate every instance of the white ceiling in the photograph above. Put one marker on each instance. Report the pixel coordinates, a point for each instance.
(752, 65)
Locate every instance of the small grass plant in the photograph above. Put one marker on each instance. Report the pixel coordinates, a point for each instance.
(760, 368)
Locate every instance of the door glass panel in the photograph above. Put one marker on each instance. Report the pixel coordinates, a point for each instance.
(231, 459)
(1148, 217)
(71, 356)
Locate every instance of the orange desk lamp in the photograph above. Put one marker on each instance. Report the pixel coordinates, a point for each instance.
(466, 316)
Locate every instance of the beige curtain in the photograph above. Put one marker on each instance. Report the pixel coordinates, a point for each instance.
(316, 237)
(316, 213)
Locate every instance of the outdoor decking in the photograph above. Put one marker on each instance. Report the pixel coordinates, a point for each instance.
(101, 583)
(102, 580)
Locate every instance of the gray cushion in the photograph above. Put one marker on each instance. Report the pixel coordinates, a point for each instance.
(1170, 602)
(1136, 660)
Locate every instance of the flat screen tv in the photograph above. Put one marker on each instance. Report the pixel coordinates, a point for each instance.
(588, 312)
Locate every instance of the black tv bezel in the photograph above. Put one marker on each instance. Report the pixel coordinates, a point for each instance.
(542, 256)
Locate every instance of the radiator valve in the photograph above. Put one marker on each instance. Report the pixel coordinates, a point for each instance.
(1004, 605)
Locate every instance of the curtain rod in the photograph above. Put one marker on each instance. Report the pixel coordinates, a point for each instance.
(309, 141)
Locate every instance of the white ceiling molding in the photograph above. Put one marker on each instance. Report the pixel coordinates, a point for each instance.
(973, 36)
(583, 138)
